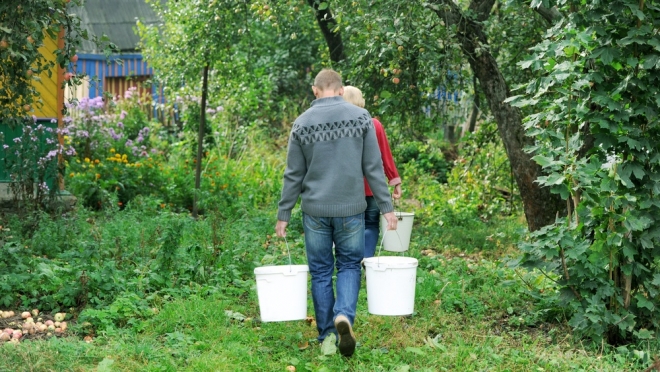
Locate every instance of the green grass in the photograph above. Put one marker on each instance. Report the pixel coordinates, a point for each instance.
(472, 313)
(465, 319)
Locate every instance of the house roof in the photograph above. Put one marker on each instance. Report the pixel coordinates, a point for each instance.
(116, 19)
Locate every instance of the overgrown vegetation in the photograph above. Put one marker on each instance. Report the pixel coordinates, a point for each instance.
(156, 289)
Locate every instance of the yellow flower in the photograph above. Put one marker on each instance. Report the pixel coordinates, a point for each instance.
(98, 176)
(86, 160)
(124, 157)
(112, 150)
(72, 174)
(96, 161)
(125, 161)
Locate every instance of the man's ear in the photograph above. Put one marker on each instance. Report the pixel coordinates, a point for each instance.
(341, 91)
(316, 91)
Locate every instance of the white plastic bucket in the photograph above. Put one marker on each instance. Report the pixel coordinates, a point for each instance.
(397, 240)
(282, 292)
(391, 285)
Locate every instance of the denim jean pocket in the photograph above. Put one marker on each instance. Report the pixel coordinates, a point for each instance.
(353, 223)
(312, 222)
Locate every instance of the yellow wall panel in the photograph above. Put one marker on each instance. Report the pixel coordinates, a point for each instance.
(48, 88)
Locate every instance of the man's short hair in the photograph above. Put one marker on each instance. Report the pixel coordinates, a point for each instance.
(328, 79)
(353, 95)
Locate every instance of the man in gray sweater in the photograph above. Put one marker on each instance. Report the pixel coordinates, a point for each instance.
(332, 147)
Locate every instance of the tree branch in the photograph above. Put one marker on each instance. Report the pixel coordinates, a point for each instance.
(326, 23)
(551, 15)
(482, 8)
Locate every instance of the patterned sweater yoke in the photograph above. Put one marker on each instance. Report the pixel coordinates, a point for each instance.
(306, 134)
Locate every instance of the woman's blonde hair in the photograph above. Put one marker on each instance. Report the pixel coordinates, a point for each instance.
(353, 95)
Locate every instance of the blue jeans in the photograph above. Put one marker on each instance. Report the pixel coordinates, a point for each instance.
(347, 233)
(371, 227)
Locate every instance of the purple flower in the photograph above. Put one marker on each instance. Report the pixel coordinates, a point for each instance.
(129, 143)
(5, 147)
(51, 154)
(144, 153)
(153, 151)
(67, 120)
(53, 121)
(220, 109)
(139, 138)
(114, 135)
(17, 140)
(82, 134)
(123, 114)
(210, 111)
(34, 118)
(70, 151)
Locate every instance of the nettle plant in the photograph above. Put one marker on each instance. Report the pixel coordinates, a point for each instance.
(597, 138)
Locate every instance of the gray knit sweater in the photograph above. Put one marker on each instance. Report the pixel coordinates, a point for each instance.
(332, 147)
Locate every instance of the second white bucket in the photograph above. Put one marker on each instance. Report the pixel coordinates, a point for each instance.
(398, 240)
(282, 292)
(391, 285)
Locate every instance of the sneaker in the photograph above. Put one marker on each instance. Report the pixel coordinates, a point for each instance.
(346, 336)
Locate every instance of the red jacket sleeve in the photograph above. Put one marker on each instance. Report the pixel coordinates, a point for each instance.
(386, 155)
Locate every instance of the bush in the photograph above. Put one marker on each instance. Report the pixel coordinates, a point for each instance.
(427, 158)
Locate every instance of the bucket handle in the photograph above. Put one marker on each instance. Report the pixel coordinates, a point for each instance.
(397, 203)
(289, 253)
(380, 248)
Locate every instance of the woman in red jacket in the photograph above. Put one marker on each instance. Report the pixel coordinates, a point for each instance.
(372, 213)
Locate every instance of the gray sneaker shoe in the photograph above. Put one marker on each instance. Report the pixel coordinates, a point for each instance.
(346, 336)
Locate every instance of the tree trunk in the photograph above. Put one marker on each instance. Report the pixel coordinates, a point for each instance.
(472, 124)
(327, 23)
(200, 139)
(539, 204)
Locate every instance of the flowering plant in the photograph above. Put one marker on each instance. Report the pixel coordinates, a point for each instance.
(116, 152)
(31, 155)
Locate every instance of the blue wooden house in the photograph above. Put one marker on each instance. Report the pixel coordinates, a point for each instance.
(117, 20)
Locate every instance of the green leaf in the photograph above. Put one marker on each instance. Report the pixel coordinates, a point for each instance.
(543, 161)
(328, 346)
(644, 334)
(651, 61)
(555, 179)
(606, 55)
(323, 6)
(5, 29)
(570, 50)
(644, 302)
(385, 94)
(105, 365)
